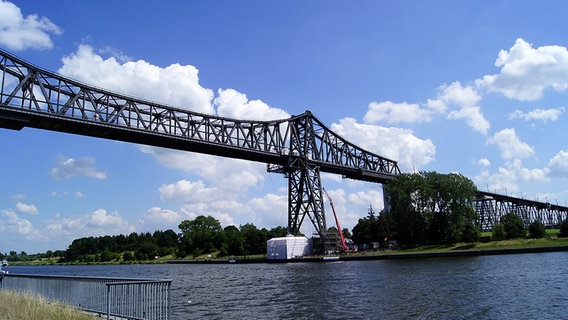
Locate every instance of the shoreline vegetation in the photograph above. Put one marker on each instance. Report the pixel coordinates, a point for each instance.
(514, 246)
(550, 243)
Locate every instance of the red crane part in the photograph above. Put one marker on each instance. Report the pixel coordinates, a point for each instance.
(343, 244)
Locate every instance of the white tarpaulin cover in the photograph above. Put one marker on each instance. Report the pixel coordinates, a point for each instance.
(288, 247)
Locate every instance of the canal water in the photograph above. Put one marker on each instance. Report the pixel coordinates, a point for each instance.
(519, 286)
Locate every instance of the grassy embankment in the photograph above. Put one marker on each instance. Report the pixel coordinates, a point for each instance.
(551, 240)
(24, 306)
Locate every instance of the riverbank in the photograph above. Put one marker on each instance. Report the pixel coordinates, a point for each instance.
(379, 256)
(550, 243)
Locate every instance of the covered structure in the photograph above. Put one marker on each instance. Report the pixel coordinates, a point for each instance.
(288, 247)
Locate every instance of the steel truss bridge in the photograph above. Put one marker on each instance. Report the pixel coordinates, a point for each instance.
(490, 207)
(299, 147)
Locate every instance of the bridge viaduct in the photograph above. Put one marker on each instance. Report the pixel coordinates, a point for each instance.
(299, 147)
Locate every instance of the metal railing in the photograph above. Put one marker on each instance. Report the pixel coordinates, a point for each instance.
(117, 298)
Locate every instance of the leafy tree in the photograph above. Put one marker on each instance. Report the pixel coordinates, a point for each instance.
(429, 206)
(167, 239)
(127, 256)
(235, 240)
(147, 250)
(537, 230)
(254, 239)
(80, 247)
(59, 253)
(106, 256)
(132, 241)
(498, 232)
(201, 235)
(277, 232)
(445, 200)
(371, 228)
(346, 233)
(514, 226)
(363, 231)
(563, 229)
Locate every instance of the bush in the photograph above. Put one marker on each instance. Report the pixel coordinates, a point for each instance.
(470, 233)
(127, 256)
(106, 256)
(498, 232)
(564, 229)
(537, 230)
(514, 226)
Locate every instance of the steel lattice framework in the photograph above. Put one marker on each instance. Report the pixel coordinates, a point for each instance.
(300, 147)
(490, 207)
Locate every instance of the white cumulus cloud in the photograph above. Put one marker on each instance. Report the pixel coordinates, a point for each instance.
(19, 33)
(462, 101)
(558, 165)
(97, 223)
(484, 162)
(455, 100)
(397, 144)
(66, 167)
(175, 84)
(187, 191)
(510, 145)
(537, 114)
(12, 224)
(473, 117)
(526, 72)
(26, 208)
(509, 175)
(391, 112)
(233, 104)
(454, 95)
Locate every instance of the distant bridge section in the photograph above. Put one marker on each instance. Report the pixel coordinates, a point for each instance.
(299, 147)
(490, 207)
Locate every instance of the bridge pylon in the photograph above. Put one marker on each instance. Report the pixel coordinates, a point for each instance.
(305, 192)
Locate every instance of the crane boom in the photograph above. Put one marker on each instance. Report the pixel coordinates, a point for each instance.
(342, 238)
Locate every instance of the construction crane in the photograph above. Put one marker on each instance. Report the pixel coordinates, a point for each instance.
(342, 244)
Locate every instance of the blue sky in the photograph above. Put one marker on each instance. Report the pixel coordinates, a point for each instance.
(476, 87)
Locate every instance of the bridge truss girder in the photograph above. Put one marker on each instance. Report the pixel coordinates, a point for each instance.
(490, 207)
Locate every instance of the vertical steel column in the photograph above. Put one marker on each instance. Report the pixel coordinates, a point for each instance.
(305, 198)
(304, 182)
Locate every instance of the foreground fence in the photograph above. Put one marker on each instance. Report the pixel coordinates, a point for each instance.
(117, 298)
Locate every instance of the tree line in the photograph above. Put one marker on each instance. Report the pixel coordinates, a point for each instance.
(203, 235)
(421, 208)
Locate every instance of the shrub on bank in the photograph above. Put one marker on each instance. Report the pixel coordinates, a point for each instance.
(470, 233)
(514, 226)
(537, 230)
(498, 232)
(564, 229)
